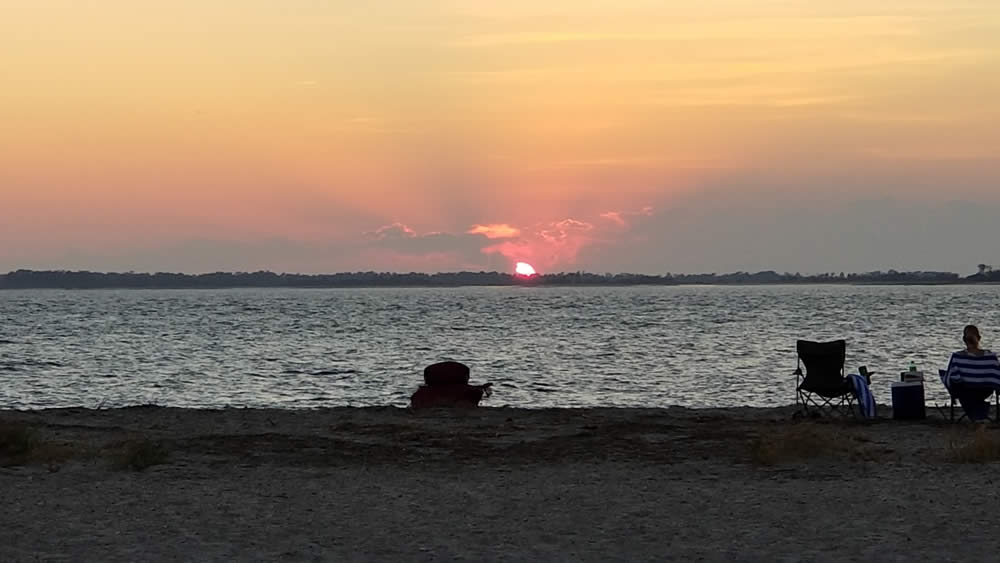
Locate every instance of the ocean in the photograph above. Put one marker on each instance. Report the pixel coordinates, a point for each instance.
(695, 346)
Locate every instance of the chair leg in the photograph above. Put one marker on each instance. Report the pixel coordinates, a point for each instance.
(842, 405)
(803, 401)
(952, 416)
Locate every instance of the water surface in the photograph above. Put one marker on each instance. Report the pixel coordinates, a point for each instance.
(541, 347)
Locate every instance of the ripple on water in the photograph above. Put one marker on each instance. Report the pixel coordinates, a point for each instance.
(694, 346)
(334, 372)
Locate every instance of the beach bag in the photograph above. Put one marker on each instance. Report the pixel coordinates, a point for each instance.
(455, 395)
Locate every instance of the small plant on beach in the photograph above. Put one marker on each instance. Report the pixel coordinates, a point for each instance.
(801, 442)
(141, 454)
(20, 445)
(983, 447)
(17, 440)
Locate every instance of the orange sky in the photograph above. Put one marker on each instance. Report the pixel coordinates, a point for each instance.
(287, 134)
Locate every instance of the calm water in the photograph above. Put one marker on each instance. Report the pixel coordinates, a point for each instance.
(541, 347)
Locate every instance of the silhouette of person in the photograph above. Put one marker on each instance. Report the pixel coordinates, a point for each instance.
(974, 362)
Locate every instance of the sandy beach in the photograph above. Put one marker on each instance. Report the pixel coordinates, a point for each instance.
(492, 484)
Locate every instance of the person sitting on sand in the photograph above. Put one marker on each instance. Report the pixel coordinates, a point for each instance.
(973, 374)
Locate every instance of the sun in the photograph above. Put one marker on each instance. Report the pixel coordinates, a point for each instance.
(524, 269)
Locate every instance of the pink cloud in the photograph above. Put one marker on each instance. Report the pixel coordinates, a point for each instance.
(558, 244)
(496, 230)
(614, 216)
(561, 229)
(392, 231)
(548, 246)
(622, 218)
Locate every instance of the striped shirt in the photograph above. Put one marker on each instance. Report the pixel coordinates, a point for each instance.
(969, 369)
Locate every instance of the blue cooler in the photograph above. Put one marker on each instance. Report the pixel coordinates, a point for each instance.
(908, 401)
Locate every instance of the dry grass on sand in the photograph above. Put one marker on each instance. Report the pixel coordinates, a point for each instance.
(977, 445)
(803, 441)
(488, 484)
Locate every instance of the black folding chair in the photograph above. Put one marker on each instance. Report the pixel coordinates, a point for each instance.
(823, 386)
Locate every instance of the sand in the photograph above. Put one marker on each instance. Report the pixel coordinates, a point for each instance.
(495, 484)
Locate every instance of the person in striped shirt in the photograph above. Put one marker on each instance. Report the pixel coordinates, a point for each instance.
(973, 375)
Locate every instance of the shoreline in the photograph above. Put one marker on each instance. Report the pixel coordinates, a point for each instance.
(492, 484)
(519, 285)
(666, 409)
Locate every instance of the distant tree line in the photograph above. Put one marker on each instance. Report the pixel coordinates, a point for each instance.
(61, 279)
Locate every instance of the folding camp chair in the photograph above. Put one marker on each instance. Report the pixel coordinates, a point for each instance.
(954, 400)
(823, 386)
(951, 410)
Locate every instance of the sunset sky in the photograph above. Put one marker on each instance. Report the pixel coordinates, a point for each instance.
(613, 135)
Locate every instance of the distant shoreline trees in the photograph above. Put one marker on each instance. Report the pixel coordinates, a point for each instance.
(62, 279)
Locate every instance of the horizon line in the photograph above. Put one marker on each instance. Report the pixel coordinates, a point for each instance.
(890, 271)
